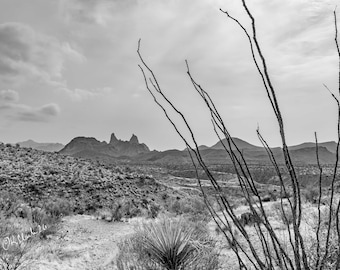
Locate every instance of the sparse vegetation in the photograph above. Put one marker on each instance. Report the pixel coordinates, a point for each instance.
(311, 194)
(16, 243)
(193, 208)
(171, 244)
(72, 185)
(283, 212)
(313, 247)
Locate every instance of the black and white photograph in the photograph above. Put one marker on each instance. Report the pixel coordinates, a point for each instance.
(169, 135)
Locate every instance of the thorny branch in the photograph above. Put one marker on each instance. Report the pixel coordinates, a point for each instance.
(272, 254)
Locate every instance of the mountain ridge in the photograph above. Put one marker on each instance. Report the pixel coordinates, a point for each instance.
(91, 147)
(304, 153)
(47, 147)
(241, 144)
(133, 150)
(330, 145)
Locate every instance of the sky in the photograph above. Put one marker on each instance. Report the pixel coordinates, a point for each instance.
(69, 68)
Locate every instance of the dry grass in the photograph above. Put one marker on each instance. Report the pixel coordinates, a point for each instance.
(309, 222)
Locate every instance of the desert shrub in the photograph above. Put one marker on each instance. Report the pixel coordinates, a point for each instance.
(119, 209)
(153, 210)
(272, 195)
(59, 207)
(284, 213)
(165, 196)
(92, 206)
(249, 218)
(80, 206)
(311, 194)
(101, 214)
(193, 208)
(266, 198)
(333, 244)
(285, 194)
(168, 244)
(175, 207)
(35, 190)
(134, 212)
(235, 203)
(50, 216)
(23, 211)
(116, 211)
(15, 244)
(130, 210)
(52, 226)
(42, 217)
(232, 233)
(38, 215)
(333, 254)
(9, 203)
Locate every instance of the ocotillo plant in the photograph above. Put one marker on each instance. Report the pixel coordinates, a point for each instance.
(266, 250)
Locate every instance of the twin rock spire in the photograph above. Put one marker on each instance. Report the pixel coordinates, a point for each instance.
(114, 140)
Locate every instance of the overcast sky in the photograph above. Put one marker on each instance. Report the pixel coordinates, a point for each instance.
(68, 68)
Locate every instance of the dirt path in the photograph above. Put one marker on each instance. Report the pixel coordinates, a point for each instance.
(89, 244)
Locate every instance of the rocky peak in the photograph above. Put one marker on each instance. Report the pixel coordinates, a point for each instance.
(90, 147)
(113, 139)
(134, 139)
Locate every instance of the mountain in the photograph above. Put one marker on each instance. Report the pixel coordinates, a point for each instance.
(92, 148)
(128, 148)
(307, 155)
(47, 147)
(241, 145)
(203, 147)
(301, 154)
(134, 151)
(330, 146)
(173, 156)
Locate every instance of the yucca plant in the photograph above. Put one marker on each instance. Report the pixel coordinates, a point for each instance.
(169, 244)
(172, 244)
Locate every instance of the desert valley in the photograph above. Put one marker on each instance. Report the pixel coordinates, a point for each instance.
(94, 197)
(179, 79)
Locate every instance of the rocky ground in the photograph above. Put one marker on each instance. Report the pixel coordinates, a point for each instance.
(38, 177)
(83, 242)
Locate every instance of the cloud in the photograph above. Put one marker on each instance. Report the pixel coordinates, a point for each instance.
(51, 109)
(23, 49)
(72, 52)
(25, 52)
(98, 12)
(9, 95)
(22, 112)
(83, 94)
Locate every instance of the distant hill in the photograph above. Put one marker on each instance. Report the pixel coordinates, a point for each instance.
(301, 154)
(133, 151)
(203, 147)
(92, 148)
(307, 155)
(47, 147)
(241, 145)
(330, 146)
(173, 156)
